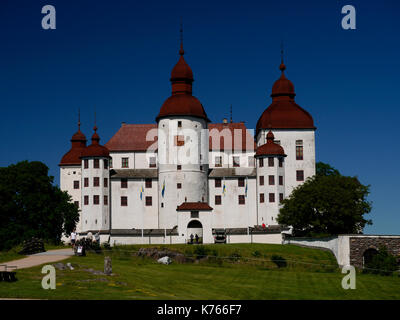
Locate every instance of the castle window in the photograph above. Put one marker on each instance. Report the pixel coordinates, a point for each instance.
(76, 184)
(271, 180)
(152, 163)
(96, 199)
(105, 182)
(218, 161)
(280, 162)
(105, 200)
(179, 185)
(149, 201)
(272, 197)
(86, 182)
(241, 199)
(241, 182)
(96, 181)
(281, 180)
(178, 167)
(261, 180)
(218, 183)
(179, 124)
(218, 200)
(76, 203)
(280, 197)
(124, 201)
(105, 164)
(179, 140)
(236, 161)
(125, 163)
(270, 162)
(261, 197)
(261, 162)
(96, 163)
(86, 163)
(124, 183)
(86, 200)
(111, 164)
(299, 175)
(148, 183)
(201, 168)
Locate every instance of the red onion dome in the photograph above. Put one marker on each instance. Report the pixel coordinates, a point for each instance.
(78, 144)
(284, 113)
(270, 148)
(95, 149)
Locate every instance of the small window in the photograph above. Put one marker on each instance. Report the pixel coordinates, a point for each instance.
(218, 161)
(270, 162)
(86, 163)
(272, 197)
(105, 182)
(280, 197)
(236, 161)
(299, 152)
(261, 180)
(96, 163)
(179, 185)
(179, 124)
(111, 164)
(152, 162)
(124, 201)
(201, 168)
(105, 164)
(261, 162)
(281, 180)
(218, 183)
(162, 204)
(149, 201)
(96, 199)
(106, 200)
(241, 199)
(262, 198)
(125, 162)
(124, 183)
(179, 140)
(96, 181)
(86, 182)
(76, 203)
(148, 183)
(86, 200)
(194, 214)
(280, 162)
(218, 200)
(271, 180)
(178, 167)
(76, 184)
(299, 175)
(241, 182)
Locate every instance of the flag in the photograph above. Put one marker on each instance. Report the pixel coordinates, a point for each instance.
(141, 192)
(163, 189)
(245, 190)
(224, 189)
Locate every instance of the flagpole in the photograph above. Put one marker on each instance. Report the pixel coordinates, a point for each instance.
(248, 206)
(141, 196)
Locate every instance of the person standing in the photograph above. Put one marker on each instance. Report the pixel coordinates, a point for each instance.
(73, 239)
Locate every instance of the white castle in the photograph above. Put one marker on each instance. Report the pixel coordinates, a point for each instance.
(181, 176)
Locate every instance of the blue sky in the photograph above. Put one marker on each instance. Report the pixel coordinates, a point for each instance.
(115, 57)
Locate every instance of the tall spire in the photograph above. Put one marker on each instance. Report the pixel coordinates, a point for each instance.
(79, 119)
(181, 51)
(282, 67)
(231, 113)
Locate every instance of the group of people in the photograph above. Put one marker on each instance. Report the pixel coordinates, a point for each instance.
(196, 237)
(74, 236)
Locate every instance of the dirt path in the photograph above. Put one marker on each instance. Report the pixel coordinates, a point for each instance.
(40, 258)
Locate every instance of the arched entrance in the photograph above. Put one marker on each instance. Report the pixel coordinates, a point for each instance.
(368, 255)
(194, 228)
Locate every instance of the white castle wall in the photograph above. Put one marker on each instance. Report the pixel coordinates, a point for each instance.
(136, 160)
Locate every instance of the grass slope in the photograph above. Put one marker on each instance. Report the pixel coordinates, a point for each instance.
(310, 274)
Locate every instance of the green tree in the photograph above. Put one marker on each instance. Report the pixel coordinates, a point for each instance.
(382, 263)
(30, 205)
(326, 204)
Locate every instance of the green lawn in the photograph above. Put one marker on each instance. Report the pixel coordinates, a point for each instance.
(310, 274)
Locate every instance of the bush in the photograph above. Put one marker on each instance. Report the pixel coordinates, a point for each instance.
(279, 261)
(256, 254)
(382, 263)
(200, 251)
(235, 256)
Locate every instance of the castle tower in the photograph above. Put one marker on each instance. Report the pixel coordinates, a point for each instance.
(95, 186)
(270, 180)
(293, 129)
(70, 169)
(182, 147)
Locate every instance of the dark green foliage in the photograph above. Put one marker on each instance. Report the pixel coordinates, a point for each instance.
(31, 206)
(382, 263)
(279, 261)
(326, 204)
(256, 254)
(235, 256)
(107, 246)
(201, 251)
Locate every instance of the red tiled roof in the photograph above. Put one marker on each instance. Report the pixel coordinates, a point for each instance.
(187, 206)
(95, 149)
(78, 144)
(132, 137)
(270, 148)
